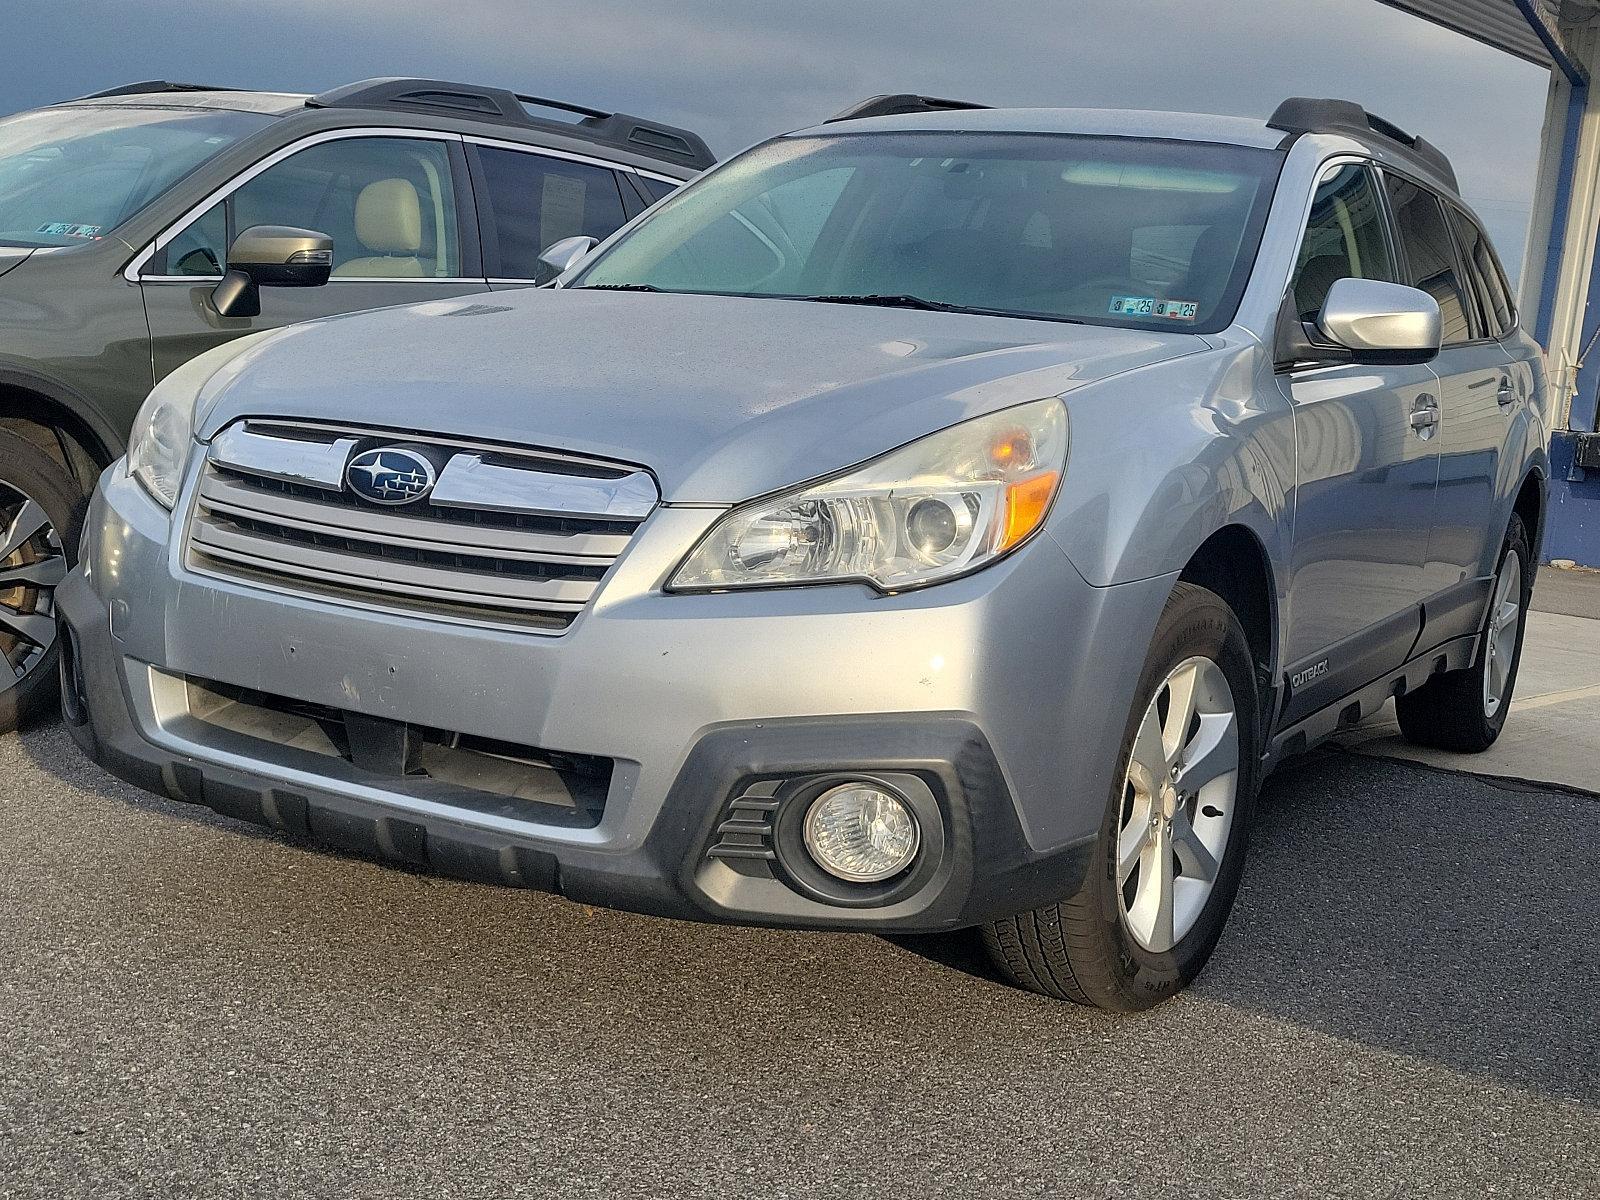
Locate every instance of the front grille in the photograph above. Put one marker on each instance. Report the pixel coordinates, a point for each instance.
(507, 536)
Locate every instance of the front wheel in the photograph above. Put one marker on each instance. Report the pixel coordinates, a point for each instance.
(37, 504)
(1171, 847)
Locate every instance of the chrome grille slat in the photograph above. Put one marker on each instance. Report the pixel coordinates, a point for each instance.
(264, 512)
(220, 492)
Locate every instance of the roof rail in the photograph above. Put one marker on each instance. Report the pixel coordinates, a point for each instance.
(664, 142)
(1301, 114)
(151, 87)
(899, 104)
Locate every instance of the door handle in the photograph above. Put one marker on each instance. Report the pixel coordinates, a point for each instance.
(1507, 395)
(1424, 417)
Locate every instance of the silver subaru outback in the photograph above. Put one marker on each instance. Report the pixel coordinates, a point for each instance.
(938, 519)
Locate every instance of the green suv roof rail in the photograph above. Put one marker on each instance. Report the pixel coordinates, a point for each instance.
(667, 143)
(1300, 115)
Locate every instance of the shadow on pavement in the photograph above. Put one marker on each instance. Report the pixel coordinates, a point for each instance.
(1431, 915)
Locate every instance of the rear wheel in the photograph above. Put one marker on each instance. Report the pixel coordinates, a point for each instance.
(37, 504)
(1465, 710)
(1171, 847)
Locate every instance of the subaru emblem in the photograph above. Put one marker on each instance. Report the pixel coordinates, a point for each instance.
(390, 475)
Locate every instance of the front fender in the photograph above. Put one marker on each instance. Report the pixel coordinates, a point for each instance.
(1163, 457)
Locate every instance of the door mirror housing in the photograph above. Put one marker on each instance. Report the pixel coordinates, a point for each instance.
(560, 257)
(1363, 321)
(1382, 322)
(271, 256)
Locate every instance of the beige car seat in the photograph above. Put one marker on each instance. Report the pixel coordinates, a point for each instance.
(389, 227)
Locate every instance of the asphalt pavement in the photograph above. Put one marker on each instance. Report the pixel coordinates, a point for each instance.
(1406, 1003)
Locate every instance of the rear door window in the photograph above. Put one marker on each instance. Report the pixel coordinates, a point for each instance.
(532, 201)
(1494, 299)
(1430, 256)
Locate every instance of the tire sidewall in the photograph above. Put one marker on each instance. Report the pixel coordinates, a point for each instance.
(1516, 539)
(1195, 622)
(26, 466)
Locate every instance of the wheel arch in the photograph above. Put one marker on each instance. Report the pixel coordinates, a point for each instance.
(1233, 562)
(33, 399)
(1530, 505)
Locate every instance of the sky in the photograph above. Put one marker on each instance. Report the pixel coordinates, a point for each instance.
(737, 71)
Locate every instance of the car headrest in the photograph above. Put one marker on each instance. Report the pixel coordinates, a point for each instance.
(389, 217)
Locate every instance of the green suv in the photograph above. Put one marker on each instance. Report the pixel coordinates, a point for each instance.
(143, 225)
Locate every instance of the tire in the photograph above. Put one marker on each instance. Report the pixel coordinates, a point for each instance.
(1103, 945)
(40, 511)
(1465, 710)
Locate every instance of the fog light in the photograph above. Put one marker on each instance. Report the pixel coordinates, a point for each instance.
(861, 832)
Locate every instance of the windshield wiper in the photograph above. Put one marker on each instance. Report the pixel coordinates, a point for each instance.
(614, 287)
(900, 300)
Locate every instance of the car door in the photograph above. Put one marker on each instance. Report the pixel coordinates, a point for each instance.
(1479, 398)
(395, 205)
(1366, 470)
(529, 199)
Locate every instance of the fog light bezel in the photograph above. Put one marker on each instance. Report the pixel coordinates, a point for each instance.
(795, 866)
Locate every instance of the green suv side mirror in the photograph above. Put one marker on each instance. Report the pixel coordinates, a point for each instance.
(271, 256)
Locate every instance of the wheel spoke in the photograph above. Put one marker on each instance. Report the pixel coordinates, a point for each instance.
(1135, 834)
(1197, 862)
(47, 572)
(1507, 616)
(31, 627)
(1213, 753)
(30, 519)
(1150, 914)
(1149, 752)
(1180, 710)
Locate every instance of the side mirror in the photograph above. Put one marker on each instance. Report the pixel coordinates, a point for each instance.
(1382, 322)
(560, 257)
(271, 256)
(1364, 321)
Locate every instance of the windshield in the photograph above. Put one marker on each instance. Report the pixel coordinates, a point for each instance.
(1113, 231)
(69, 175)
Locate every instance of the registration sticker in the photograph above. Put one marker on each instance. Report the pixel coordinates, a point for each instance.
(1149, 306)
(68, 229)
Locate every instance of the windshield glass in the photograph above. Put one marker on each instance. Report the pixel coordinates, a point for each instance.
(1114, 231)
(68, 175)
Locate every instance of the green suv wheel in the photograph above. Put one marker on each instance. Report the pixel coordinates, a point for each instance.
(37, 504)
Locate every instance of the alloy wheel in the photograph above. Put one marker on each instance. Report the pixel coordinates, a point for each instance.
(32, 563)
(1178, 804)
(1505, 623)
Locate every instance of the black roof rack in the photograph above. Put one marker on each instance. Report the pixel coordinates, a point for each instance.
(1301, 115)
(898, 105)
(664, 142)
(152, 87)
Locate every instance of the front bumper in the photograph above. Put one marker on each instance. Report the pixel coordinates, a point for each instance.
(984, 691)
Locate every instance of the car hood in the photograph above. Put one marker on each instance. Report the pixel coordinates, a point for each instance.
(722, 398)
(13, 256)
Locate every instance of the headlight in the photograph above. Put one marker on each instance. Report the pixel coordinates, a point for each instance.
(162, 433)
(939, 507)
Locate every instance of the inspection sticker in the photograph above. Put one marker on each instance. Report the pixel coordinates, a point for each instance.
(68, 229)
(1149, 306)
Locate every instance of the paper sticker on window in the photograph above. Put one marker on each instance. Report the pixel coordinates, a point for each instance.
(1148, 306)
(68, 229)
